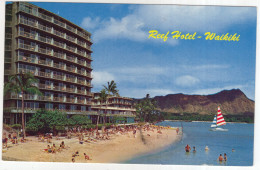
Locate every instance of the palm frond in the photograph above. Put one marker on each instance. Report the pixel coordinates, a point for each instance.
(33, 90)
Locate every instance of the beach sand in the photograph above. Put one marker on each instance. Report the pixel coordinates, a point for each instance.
(119, 148)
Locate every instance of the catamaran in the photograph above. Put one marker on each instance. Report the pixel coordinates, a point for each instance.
(218, 121)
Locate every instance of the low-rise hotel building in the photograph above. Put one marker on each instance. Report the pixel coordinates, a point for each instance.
(114, 106)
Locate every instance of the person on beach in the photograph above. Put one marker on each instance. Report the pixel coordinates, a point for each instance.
(177, 131)
(187, 148)
(225, 157)
(62, 145)
(4, 140)
(86, 157)
(22, 140)
(220, 158)
(53, 149)
(49, 149)
(134, 132)
(15, 137)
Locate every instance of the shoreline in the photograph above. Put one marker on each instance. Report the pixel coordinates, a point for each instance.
(118, 149)
(200, 121)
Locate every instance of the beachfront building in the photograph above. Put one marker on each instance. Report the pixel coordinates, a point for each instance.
(55, 51)
(114, 109)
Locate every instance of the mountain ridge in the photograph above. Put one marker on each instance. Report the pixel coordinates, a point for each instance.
(232, 102)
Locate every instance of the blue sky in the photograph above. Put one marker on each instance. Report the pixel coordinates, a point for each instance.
(123, 52)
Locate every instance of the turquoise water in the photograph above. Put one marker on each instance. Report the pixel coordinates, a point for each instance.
(240, 136)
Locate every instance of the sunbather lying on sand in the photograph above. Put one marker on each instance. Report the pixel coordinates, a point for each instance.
(86, 157)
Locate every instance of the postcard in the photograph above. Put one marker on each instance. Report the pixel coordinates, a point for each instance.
(129, 84)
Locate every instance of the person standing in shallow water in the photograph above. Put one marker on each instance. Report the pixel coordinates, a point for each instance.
(225, 157)
(187, 148)
(194, 149)
(220, 158)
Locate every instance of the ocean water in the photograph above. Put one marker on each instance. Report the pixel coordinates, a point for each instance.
(240, 136)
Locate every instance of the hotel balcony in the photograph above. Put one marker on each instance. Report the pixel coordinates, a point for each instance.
(54, 65)
(50, 19)
(54, 76)
(48, 41)
(44, 39)
(26, 22)
(64, 89)
(45, 28)
(119, 102)
(26, 47)
(33, 110)
(112, 108)
(48, 99)
(27, 34)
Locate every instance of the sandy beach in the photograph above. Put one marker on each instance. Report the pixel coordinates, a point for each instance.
(119, 148)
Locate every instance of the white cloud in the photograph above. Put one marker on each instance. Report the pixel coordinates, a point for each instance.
(187, 81)
(208, 66)
(192, 18)
(143, 70)
(142, 18)
(139, 75)
(101, 77)
(141, 93)
(90, 23)
(129, 27)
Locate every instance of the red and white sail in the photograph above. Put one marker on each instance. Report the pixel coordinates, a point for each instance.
(220, 118)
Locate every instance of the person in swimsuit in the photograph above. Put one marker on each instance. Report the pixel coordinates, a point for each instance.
(86, 157)
(187, 148)
(225, 157)
(194, 149)
(206, 148)
(220, 158)
(134, 132)
(49, 149)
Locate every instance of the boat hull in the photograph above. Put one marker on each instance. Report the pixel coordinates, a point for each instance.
(218, 129)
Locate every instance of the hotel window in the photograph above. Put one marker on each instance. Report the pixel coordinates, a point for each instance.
(73, 107)
(48, 106)
(62, 86)
(83, 108)
(62, 106)
(32, 57)
(48, 84)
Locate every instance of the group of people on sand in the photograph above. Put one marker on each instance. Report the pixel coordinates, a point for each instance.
(54, 149)
(12, 137)
(47, 137)
(75, 154)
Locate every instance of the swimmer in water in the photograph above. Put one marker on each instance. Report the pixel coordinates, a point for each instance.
(206, 148)
(194, 149)
(220, 158)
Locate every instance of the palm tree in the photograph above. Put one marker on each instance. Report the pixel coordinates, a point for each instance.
(111, 88)
(102, 98)
(20, 84)
(145, 108)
